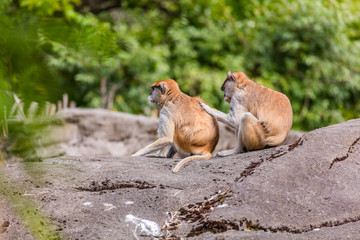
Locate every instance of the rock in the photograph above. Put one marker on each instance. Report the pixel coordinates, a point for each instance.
(305, 190)
(91, 132)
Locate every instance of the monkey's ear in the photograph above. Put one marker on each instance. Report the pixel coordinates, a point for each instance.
(162, 87)
(231, 76)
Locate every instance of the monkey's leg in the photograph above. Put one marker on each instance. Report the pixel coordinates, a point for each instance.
(162, 152)
(204, 156)
(158, 144)
(170, 151)
(218, 115)
(227, 152)
(251, 134)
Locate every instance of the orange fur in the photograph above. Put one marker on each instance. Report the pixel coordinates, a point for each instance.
(271, 108)
(195, 130)
(262, 117)
(183, 123)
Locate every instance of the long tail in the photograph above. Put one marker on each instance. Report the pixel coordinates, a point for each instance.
(204, 156)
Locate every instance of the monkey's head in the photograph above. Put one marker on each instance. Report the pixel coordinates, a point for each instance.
(232, 83)
(161, 91)
(229, 87)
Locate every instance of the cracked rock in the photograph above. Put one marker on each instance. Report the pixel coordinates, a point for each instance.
(295, 191)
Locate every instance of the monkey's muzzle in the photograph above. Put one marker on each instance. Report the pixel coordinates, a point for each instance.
(227, 99)
(151, 100)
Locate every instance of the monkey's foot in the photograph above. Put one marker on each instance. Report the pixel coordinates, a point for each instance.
(227, 153)
(137, 154)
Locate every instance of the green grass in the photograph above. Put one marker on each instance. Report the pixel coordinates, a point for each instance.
(40, 226)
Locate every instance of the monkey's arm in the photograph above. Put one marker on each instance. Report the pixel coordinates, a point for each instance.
(158, 144)
(220, 116)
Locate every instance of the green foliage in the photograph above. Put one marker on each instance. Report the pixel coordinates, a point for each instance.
(23, 69)
(305, 49)
(21, 129)
(49, 7)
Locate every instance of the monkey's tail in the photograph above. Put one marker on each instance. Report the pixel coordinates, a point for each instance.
(204, 156)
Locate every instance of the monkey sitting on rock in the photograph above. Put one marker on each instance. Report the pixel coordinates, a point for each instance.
(261, 117)
(183, 125)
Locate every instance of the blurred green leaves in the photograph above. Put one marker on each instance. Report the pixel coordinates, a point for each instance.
(21, 129)
(49, 7)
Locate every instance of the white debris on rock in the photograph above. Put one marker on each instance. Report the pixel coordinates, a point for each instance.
(87, 203)
(222, 205)
(148, 227)
(108, 206)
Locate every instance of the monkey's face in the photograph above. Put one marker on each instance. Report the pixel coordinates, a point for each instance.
(162, 91)
(156, 94)
(229, 87)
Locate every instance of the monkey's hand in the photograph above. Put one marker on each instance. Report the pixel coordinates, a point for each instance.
(220, 116)
(213, 112)
(206, 108)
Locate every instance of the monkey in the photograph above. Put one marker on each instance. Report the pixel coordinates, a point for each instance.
(260, 116)
(184, 126)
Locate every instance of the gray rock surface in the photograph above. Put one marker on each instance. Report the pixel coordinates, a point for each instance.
(305, 190)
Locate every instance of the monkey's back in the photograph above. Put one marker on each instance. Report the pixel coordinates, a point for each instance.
(274, 111)
(196, 131)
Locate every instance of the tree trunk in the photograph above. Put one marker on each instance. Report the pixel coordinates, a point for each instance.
(113, 89)
(103, 90)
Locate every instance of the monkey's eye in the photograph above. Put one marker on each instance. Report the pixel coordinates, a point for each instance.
(155, 87)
